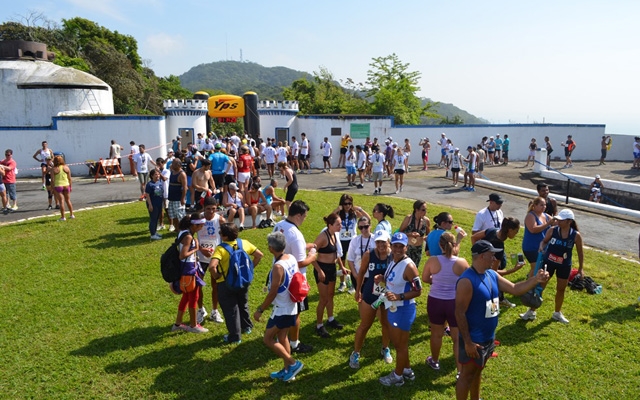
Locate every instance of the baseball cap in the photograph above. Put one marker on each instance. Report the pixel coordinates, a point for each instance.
(399, 237)
(565, 214)
(496, 197)
(456, 149)
(443, 134)
(381, 235)
(482, 246)
(233, 186)
(218, 146)
(469, 147)
(490, 137)
(598, 176)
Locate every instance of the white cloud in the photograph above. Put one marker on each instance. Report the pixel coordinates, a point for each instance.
(109, 8)
(162, 44)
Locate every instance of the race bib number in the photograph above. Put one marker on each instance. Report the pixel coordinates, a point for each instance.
(555, 259)
(345, 235)
(378, 289)
(492, 308)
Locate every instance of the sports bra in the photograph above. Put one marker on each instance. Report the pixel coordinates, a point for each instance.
(330, 247)
(252, 200)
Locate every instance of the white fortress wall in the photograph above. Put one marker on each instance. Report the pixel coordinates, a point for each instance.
(84, 138)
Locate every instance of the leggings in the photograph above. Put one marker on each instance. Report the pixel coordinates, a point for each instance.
(190, 298)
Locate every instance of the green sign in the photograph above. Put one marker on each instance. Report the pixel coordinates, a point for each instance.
(360, 131)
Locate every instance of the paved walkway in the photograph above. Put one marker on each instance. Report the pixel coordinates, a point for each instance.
(616, 235)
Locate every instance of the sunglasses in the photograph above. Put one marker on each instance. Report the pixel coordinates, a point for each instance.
(347, 204)
(451, 222)
(361, 227)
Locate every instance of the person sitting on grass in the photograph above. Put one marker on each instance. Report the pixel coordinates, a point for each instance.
(285, 311)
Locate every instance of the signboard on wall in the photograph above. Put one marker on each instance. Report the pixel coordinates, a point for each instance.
(226, 105)
(360, 131)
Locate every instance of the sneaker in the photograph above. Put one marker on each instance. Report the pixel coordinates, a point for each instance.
(197, 329)
(5, 211)
(392, 380)
(62, 219)
(161, 227)
(351, 291)
(472, 189)
(528, 316)
(335, 324)
(330, 170)
(397, 191)
(401, 188)
(72, 217)
(559, 317)
(156, 237)
(278, 374)
(360, 186)
(409, 375)
(225, 338)
(215, 317)
(292, 371)
(354, 360)
(201, 315)
(308, 172)
(57, 207)
(15, 207)
(342, 287)
(507, 303)
(324, 171)
(172, 228)
(447, 331)
(433, 364)
(45, 188)
(386, 355)
(181, 327)
(322, 332)
(464, 187)
(302, 348)
(246, 331)
(49, 208)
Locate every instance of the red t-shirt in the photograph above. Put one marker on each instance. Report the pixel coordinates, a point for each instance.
(10, 173)
(244, 163)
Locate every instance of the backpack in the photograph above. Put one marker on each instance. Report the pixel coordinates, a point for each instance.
(170, 261)
(240, 271)
(298, 287)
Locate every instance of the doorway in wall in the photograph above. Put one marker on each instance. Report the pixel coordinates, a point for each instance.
(282, 135)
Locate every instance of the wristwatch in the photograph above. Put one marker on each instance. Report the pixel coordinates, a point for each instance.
(401, 296)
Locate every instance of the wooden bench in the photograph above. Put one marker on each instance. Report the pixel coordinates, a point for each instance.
(108, 169)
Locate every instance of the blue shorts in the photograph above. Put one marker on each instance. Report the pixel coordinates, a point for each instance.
(636, 155)
(443, 152)
(282, 321)
(403, 317)
(471, 171)
(351, 170)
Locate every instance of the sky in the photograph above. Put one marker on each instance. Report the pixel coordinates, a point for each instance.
(567, 61)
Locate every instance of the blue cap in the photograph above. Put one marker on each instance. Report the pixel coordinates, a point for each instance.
(399, 237)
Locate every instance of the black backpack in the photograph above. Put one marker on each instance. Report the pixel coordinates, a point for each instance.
(170, 261)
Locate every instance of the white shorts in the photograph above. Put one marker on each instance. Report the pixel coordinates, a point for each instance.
(243, 176)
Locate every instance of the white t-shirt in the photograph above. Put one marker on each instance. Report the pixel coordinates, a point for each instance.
(209, 236)
(486, 219)
(282, 154)
(350, 158)
(361, 162)
(357, 248)
(377, 162)
(282, 304)
(295, 147)
(326, 149)
(269, 155)
(399, 162)
(296, 245)
(304, 149)
(166, 173)
(141, 160)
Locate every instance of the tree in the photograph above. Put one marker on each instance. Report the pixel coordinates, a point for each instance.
(393, 89)
(455, 120)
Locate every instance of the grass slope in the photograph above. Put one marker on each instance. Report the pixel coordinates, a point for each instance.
(87, 315)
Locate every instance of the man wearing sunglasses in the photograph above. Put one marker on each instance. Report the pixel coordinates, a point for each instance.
(490, 216)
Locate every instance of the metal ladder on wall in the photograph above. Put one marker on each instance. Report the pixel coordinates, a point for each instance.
(90, 98)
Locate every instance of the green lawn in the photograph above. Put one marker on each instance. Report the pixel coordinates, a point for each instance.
(87, 315)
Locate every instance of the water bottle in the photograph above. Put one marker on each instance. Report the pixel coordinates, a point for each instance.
(459, 230)
(379, 301)
(347, 279)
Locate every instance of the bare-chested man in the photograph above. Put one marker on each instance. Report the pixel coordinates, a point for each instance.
(202, 183)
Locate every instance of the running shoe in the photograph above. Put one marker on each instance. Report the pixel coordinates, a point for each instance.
(392, 380)
(354, 360)
(386, 355)
(433, 364)
(528, 316)
(292, 371)
(559, 317)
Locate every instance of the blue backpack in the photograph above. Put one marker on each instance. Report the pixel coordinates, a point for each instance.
(240, 272)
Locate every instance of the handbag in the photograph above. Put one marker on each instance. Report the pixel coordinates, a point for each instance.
(187, 283)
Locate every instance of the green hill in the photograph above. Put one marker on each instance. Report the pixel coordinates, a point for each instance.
(235, 77)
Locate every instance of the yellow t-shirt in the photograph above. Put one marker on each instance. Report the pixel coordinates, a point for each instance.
(221, 254)
(345, 142)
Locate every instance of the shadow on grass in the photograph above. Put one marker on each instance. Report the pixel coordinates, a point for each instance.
(521, 332)
(133, 221)
(619, 315)
(133, 338)
(118, 240)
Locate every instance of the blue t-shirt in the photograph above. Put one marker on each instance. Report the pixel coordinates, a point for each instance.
(483, 310)
(433, 242)
(155, 190)
(218, 162)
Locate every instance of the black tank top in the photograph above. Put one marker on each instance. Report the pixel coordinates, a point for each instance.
(331, 246)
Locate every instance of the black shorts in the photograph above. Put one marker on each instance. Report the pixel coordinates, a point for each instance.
(563, 270)
(343, 150)
(325, 158)
(398, 171)
(485, 352)
(229, 179)
(218, 179)
(302, 157)
(480, 167)
(291, 193)
(329, 270)
(505, 153)
(455, 169)
(567, 153)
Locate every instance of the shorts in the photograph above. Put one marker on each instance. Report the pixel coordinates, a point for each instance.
(480, 167)
(636, 155)
(403, 317)
(2, 187)
(567, 153)
(455, 169)
(425, 155)
(441, 311)
(291, 193)
(63, 189)
(343, 150)
(471, 171)
(563, 270)
(505, 153)
(243, 176)
(43, 165)
(176, 210)
(367, 291)
(303, 305)
(398, 171)
(351, 170)
(326, 158)
(143, 177)
(485, 351)
(443, 152)
(218, 179)
(282, 321)
(229, 179)
(329, 270)
(11, 190)
(531, 256)
(302, 157)
(376, 176)
(603, 153)
(532, 153)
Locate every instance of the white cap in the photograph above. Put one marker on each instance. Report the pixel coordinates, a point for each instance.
(381, 235)
(597, 176)
(565, 214)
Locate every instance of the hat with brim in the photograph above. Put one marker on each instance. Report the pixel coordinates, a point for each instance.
(565, 214)
(399, 237)
(496, 197)
(482, 246)
(381, 235)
